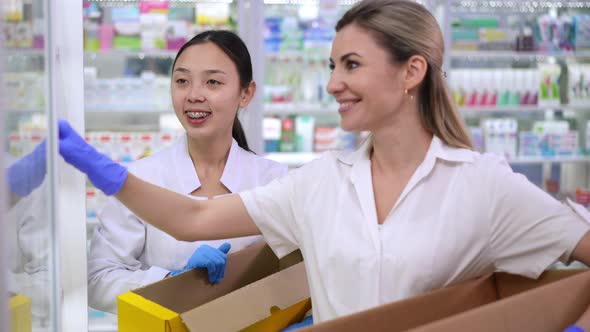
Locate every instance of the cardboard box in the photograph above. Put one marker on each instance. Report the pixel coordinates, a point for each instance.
(20, 314)
(498, 302)
(255, 285)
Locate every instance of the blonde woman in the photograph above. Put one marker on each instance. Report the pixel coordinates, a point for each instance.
(413, 209)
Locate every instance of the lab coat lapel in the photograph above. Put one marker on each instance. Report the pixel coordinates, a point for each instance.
(184, 178)
(235, 168)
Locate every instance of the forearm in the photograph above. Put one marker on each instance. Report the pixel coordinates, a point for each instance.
(166, 210)
(183, 218)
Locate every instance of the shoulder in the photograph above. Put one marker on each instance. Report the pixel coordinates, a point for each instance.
(261, 168)
(326, 165)
(156, 163)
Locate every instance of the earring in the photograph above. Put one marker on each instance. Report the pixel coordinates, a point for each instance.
(406, 92)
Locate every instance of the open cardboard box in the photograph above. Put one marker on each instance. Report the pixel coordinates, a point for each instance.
(548, 304)
(255, 284)
(255, 281)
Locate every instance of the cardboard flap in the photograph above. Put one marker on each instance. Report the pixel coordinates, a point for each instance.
(567, 300)
(416, 311)
(251, 303)
(280, 319)
(188, 290)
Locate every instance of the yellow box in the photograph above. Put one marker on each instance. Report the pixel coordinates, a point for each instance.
(20, 314)
(256, 295)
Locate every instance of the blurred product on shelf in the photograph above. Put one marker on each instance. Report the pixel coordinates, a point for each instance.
(296, 79)
(500, 136)
(550, 75)
(579, 84)
(26, 90)
(148, 92)
(521, 32)
(476, 87)
(271, 133)
(583, 196)
(302, 134)
(151, 25)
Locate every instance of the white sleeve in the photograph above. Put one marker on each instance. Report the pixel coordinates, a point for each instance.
(530, 230)
(113, 262)
(271, 207)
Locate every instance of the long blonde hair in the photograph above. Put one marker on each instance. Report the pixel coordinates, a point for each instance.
(405, 28)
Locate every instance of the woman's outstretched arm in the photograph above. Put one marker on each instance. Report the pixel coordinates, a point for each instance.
(184, 218)
(180, 216)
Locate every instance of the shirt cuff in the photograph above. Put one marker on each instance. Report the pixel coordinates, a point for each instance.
(155, 274)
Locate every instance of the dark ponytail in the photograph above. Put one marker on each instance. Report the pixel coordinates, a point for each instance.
(232, 45)
(237, 132)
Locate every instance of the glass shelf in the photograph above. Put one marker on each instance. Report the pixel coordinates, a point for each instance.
(295, 159)
(516, 56)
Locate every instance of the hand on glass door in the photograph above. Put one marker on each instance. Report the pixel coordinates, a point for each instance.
(102, 171)
(28, 173)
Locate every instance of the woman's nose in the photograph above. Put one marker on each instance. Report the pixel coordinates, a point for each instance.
(196, 94)
(335, 85)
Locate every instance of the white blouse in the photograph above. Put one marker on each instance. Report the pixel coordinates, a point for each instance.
(461, 215)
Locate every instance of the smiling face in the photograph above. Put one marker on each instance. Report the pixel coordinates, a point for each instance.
(206, 91)
(364, 81)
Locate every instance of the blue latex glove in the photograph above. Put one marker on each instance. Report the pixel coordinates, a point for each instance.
(573, 328)
(102, 171)
(305, 322)
(28, 173)
(208, 257)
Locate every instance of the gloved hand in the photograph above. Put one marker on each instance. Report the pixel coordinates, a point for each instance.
(104, 173)
(305, 322)
(28, 173)
(213, 259)
(573, 328)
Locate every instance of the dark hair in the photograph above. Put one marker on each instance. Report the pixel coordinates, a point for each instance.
(233, 46)
(405, 28)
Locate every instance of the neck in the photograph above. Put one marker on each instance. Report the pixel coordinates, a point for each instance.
(209, 154)
(402, 144)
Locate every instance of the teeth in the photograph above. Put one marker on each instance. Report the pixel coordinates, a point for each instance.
(197, 115)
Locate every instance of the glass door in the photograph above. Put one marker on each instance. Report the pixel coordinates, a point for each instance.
(28, 223)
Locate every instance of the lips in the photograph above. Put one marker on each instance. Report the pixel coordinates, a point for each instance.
(197, 117)
(197, 114)
(347, 104)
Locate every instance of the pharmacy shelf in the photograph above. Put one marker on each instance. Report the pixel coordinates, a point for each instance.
(126, 109)
(545, 160)
(26, 52)
(279, 109)
(476, 111)
(131, 53)
(94, 54)
(516, 56)
(296, 159)
(520, 5)
(302, 109)
(24, 111)
(520, 110)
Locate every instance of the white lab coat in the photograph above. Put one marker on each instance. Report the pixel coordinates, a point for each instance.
(461, 215)
(127, 253)
(28, 234)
